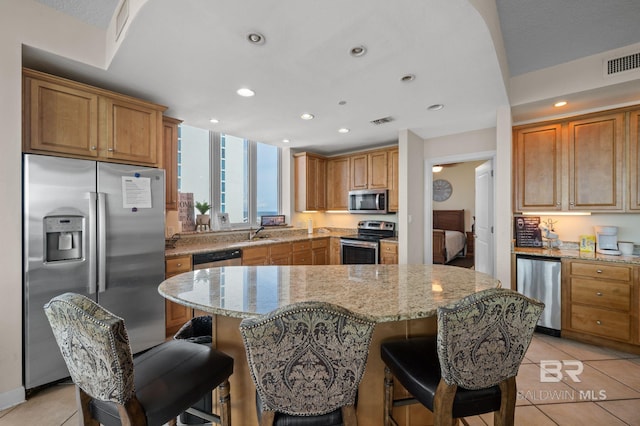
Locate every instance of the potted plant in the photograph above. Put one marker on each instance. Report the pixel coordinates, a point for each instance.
(203, 220)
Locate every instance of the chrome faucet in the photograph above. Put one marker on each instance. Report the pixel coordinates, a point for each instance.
(252, 236)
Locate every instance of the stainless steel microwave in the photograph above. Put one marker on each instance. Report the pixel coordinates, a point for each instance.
(370, 201)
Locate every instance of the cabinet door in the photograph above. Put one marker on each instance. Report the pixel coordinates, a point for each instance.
(338, 183)
(129, 131)
(378, 168)
(359, 173)
(310, 182)
(60, 119)
(255, 256)
(538, 163)
(334, 251)
(388, 253)
(170, 160)
(596, 162)
(175, 314)
(393, 180)
(280, 254)
(634, 160)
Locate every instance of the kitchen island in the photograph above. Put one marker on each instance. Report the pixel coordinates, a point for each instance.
(401, 299)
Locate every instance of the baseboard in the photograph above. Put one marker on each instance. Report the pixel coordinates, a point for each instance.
(11, 398)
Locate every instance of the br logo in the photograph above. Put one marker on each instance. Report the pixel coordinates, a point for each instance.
(553, 370)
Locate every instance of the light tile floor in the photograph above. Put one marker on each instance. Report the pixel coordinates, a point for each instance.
(608, 392)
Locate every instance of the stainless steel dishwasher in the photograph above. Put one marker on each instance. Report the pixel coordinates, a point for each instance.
(539, 277)
(212, 259)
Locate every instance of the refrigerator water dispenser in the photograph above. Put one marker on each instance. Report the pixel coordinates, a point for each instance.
(63, 238)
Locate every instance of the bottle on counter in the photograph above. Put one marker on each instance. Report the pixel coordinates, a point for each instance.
(310, 226)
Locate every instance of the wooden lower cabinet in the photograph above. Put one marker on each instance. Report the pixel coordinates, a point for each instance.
(176, 315)
(600, 303)
(302, 253)
(255, 256)
(320, 251)
(280, 254)
(388, 253)
(335, 257)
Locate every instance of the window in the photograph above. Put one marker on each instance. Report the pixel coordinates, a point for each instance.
(241, 176)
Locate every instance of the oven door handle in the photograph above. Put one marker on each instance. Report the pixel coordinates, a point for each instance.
(355, 243)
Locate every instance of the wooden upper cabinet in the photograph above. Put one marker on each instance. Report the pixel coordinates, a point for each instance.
(359, 165)
(369, 170)
(378, 170)
(310, 175)
(634, 160)
(538, 168)
(59, 118)
(70, 119)
(596, 147)
(392, 176)
(131, 131)
(338, 183)
(170, 160)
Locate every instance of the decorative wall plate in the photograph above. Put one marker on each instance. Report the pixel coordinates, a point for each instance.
(441, 190)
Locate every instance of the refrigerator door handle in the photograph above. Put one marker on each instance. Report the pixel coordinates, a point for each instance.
(102, 243)
(93, 260)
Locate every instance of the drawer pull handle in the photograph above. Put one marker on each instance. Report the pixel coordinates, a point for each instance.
(599, 271)
(179, 265)
(598, 293)
(598, 322)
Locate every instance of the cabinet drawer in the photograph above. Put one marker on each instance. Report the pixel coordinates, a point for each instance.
(302, 245)
(277, 249)
(177, 265)
(602, 294)
(609, 324)
(302, 258)
(598, 270)
(389, 248)
(324, 242)
(253, 252)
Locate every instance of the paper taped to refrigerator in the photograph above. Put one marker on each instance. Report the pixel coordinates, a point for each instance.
(136, 192)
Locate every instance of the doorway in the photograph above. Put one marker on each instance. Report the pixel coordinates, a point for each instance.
(472, 188)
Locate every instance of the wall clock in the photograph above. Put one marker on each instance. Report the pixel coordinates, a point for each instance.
(441, 190)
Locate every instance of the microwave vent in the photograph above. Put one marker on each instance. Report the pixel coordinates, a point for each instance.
(622, 64)
(382, 120)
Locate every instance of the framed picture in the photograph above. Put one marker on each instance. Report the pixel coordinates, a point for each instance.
(222, 221)
(275, 220)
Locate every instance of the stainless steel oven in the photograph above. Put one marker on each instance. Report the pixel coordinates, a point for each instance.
(364, 247)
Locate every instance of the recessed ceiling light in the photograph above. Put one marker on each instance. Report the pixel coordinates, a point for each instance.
(358, 51)
(286, 140)
(214, 120)
(307, 116)
(407, 78)
(435, 107)
(560, 104)
(256, 38)
(343, 130)
(245, 92)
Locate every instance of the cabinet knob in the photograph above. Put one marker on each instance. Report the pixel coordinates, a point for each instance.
(598, 271)
(598, 293)
(598, 322)
(179, 265)
(110, 150)
(93, 147)
(571, 203)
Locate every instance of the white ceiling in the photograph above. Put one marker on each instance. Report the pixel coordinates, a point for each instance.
(193, 55)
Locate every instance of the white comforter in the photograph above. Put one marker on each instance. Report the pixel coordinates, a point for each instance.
(454, 242)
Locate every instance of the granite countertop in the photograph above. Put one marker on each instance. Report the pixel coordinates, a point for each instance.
(565, 253)
(193, 244)
(383, 292)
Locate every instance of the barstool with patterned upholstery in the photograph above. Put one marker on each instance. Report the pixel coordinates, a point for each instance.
(307, 360)
(114, 388)
(470, 368)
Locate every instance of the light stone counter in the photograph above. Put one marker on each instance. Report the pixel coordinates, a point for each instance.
(402, 299)
(383, 292)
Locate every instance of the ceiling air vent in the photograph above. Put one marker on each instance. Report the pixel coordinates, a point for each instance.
(622, 64)
(383, 120)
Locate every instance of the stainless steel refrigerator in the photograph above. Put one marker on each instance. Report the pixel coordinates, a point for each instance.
(96, 229)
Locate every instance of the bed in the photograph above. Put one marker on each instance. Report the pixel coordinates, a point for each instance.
(449, 238)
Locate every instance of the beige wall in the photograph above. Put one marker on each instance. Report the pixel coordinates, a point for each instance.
(31, 23)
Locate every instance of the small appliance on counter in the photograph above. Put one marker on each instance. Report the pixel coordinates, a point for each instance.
(607, 240)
